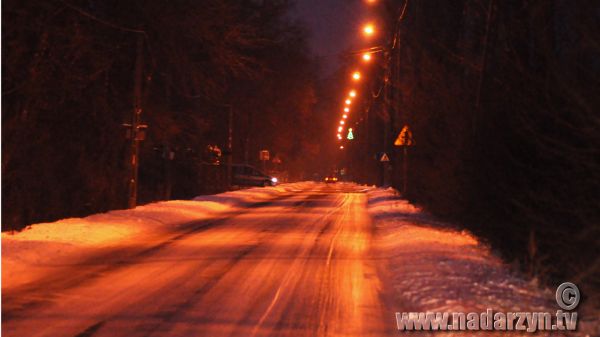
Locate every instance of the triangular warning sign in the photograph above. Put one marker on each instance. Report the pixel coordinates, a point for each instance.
(405, 137)
(384, 158)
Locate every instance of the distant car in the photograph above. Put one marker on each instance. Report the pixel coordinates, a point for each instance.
(246, 175)
(331, 179)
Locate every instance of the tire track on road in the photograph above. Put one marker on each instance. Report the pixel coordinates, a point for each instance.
(44, 291)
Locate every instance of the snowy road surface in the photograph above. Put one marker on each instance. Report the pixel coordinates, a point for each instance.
(314, 260)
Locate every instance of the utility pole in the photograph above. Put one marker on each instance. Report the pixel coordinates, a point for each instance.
(230, 147)
(387, 115)
(135, 133)
(389, 108)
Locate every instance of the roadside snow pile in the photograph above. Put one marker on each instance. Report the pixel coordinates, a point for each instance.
(433, 267)
(41, 247)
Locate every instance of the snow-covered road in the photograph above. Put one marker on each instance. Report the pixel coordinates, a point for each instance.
(299, 260)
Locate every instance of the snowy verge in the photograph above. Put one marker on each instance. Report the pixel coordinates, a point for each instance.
(435, 267)
(40, 247)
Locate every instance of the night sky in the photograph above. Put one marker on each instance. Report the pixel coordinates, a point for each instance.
(333, 26)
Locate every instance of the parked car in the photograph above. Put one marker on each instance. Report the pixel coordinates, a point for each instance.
(246, 175)
(331, 179)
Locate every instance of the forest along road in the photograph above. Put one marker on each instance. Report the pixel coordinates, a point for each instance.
(299, 266)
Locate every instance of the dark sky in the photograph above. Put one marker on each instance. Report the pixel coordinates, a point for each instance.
(334, 27)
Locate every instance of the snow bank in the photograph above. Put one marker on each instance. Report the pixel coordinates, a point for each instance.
(435, 267)
(29, 253)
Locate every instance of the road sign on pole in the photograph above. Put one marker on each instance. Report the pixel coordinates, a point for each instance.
(264, 155)
(405, 137)
(384, 158)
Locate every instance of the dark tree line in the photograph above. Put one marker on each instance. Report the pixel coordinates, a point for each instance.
(68, 77)
(503, 100)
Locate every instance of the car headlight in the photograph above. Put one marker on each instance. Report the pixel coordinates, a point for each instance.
(274, 180)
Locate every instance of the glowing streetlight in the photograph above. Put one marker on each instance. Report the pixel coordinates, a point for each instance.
(353, 93)
(339, 136)
(340, 129)
(356, 76)
(366, 57)
(342, 122)
(346, 109)
(341, 147)
(345, 116)
(348, 101)
(369, 29)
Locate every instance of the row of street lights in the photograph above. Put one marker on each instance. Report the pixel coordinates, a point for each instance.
(386, 49)
(368, 30)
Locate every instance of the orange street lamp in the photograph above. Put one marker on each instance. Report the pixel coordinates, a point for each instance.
(348, 101)
(340, 129)
(342, 122)
(346, 109)
(356, 76)
(341, 147)
(345, 116)
(366, 57)
(369, 29)
(353, 93)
